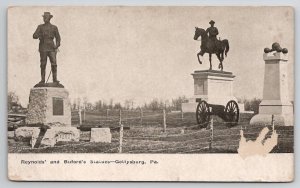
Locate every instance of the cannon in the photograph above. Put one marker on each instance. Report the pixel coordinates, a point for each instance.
(228, 112)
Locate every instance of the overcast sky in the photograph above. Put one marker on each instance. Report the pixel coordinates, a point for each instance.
(142, 53)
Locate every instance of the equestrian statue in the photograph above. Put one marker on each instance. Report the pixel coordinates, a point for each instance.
(211, 45)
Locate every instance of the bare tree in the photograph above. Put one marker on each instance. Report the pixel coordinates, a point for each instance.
(128, 104)
(176, 103)
(117, 106)
(12, 100)
(85, 102)
(98, 105)
(111, 103)
(78, 101)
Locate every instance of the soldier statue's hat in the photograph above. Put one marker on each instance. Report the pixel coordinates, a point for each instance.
(47, 14)
(211, 22)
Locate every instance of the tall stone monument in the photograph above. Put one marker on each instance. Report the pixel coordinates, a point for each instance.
(276, 91)
(215, 87)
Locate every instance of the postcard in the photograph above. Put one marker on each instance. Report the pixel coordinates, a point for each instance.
(151, 93)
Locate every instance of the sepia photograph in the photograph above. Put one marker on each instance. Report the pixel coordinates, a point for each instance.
(157, 81)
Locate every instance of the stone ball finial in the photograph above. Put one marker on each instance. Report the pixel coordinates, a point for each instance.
(267, 50)
(285, 51)
(276, 47)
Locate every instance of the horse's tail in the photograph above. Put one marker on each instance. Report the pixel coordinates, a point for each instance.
(226, 46)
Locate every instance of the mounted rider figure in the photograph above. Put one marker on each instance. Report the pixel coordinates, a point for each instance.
(210, 44)
(212, 32)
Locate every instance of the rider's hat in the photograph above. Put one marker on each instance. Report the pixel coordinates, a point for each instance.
(47, 14)
(211, 22)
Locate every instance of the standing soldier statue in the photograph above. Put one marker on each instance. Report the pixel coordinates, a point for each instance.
(212, 32)
(46, 33)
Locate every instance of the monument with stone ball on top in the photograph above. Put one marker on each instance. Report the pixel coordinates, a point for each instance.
(275, 103)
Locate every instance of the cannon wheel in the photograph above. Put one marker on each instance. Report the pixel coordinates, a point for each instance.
(232, 113)
(203, 114)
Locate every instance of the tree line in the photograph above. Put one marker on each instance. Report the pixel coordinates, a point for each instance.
(129, 104)
(14, 106)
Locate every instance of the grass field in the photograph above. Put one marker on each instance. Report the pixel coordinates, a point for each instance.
(147, 135)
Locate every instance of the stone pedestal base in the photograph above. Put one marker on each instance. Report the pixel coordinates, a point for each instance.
(215, 87)
(275, 107)
(282, 111)
(49, 106)
(279, 120)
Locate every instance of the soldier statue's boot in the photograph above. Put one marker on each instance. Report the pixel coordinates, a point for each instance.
(54, 74)
(43, 73)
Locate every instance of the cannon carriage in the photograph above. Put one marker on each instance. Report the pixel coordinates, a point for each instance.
(228, 112)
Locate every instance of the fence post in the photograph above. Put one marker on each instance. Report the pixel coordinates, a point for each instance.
(273, 124)
(211, 133)
(141, 116)
(106, 114)
(164, 120)
(80, 119)
(181, 115)
(83, 119)
(121, 132)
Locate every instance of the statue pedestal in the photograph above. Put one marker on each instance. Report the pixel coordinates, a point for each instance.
(215, 87)
(276, 93)
(49, 106)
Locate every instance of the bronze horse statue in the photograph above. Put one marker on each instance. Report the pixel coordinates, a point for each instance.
(211, 46)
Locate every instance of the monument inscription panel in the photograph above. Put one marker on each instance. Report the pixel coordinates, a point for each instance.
(58, 106)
